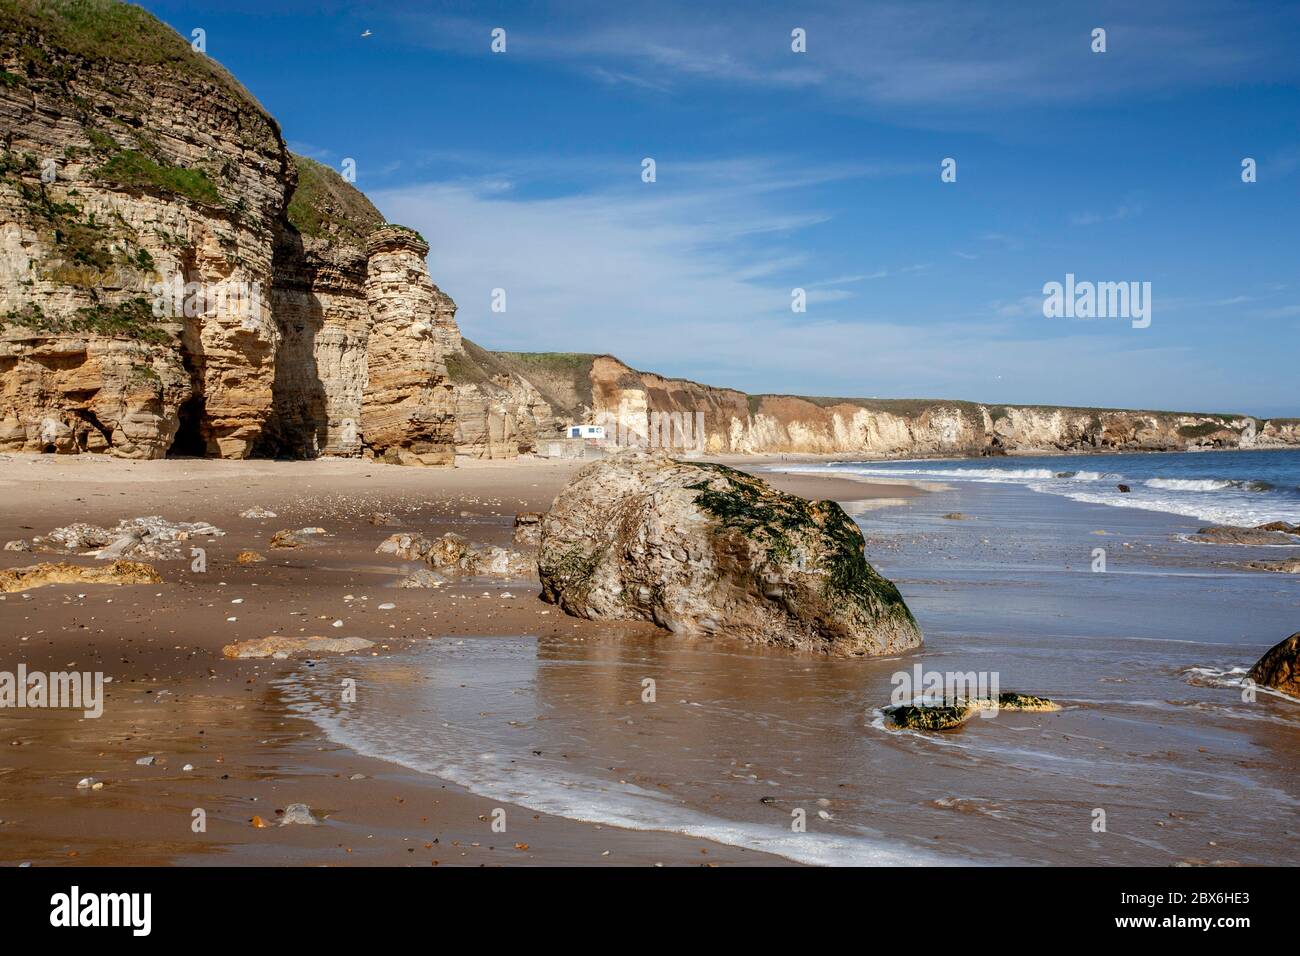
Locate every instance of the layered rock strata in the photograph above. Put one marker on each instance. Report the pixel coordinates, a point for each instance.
(407, 412)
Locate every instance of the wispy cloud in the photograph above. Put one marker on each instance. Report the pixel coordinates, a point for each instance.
(919, 53)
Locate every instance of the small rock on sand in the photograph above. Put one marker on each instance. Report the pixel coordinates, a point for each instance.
(528, 528)
(298, 813)
(277, 645)
(295, 539)
(257, 511)
(38, 575)
(248, 557)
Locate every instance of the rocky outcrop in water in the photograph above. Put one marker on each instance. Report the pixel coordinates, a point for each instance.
(706, 550)
(1280, 667)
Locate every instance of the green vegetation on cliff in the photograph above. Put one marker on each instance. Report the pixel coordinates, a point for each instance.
(133, 319)
(327, 207)
(563, 378)
(132, 167)
(104, 29)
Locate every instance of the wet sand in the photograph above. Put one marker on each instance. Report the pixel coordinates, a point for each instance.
(173, 695)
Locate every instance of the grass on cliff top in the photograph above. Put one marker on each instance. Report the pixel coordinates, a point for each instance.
(563, 378)
(106, 29)
(326, 206)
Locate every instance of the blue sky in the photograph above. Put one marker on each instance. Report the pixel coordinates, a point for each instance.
(821, 170)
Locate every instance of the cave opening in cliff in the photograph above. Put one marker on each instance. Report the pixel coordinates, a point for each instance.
(190, 441)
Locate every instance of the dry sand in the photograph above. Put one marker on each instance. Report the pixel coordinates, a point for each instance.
(174, 695)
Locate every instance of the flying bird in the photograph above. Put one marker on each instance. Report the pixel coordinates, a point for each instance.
(366, 34)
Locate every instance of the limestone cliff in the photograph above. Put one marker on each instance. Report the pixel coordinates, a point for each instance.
(173, 281)
(500, 413)
(406, 408)
(320, 308)
(131, 167)
(720, 420)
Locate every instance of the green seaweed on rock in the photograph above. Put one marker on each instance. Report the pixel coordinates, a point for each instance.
(751, 506)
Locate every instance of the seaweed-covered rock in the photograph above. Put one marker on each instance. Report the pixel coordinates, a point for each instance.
(947, 716)
(931, 716)
(1229, 534)
(707, 550)
(1280, 667)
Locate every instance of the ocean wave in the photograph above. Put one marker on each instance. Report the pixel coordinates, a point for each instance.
(1244, 501)
(1242, 510)
(1208, 484)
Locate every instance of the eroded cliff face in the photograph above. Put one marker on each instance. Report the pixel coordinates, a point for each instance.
(131, 166)
(499, 412)
(172, 281)
(727, 421)
(323, 318)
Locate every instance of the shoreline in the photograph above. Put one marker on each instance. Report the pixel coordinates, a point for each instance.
(174, 696)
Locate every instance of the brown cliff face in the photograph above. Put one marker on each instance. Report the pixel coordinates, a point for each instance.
(132, 167)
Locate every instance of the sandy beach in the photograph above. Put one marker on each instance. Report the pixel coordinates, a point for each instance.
(174, 696)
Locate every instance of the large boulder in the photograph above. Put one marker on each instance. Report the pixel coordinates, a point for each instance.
(706, 550)
(1280, 667)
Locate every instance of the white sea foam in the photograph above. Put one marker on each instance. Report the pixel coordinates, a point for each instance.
(1246, 501)
(588, 800)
